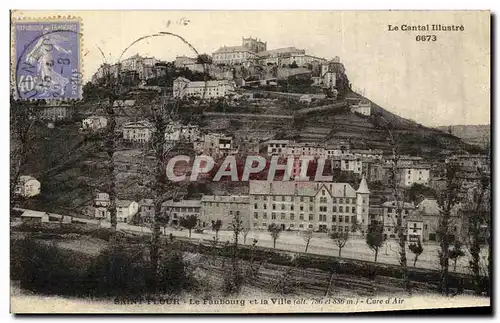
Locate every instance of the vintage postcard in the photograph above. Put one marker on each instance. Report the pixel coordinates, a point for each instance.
(249, 161)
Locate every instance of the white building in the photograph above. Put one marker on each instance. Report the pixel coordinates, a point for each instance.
(361, 108)
(368, 153)
(329, 74)
(125, 210)
(183, 61)
(390, 218)
(210, 89)
(417, 174)
(277, 147)
(230, 55)
(351, 163)
(215, 145)
(123, 103)
(178, 132)
(224, 208)
(140, 131)
(27, 186)
(94, 123)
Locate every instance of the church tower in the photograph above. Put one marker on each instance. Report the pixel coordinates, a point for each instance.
(363, 205)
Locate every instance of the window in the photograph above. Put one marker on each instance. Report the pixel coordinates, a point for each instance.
(334, 218)
(291, 207)
(323, 192)
(255, 206)
(264, 224)
(310, 207)
(292, 217)
(255, 224)
(311, 217)
(341, 209)
(302, 207)
(256, 215)
(301, 217)
(273, 216)
(301, 225)
(311, 199)
(341, 218)
(230, 212)
(292, 225)
(425, 226)
(334, 228)
(274, 206)
(264, 216)
(322, 208)
(353, 219)
(265, 206)
(334, 208)
(346, 219)
(274, 198)
(353, 209)
(282, 216)
(346, 229)
(283, 199)
(302, 199)
(310, 226)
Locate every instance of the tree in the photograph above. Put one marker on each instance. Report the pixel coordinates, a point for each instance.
(307, 236)
(479, 216)
(375, 237)
(163, 221)
(355, 226)
(235, 280)
(399, 223)
(275, 231)
(189, 222)
(246, 231)
(340, 239)
(417, 249)
(456, 253)
(447, 200)
(203, 59)
(216, 226)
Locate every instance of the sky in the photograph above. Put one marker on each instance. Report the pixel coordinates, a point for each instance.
(442, 82)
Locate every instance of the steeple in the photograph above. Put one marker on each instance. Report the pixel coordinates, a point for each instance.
(363, 187)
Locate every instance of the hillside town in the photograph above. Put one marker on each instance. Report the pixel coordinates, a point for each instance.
(283, 104)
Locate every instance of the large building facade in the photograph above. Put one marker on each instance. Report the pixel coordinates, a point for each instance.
(183, 87)
(308, 205)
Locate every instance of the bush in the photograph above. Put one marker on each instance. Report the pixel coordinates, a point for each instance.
(174, 274)
(117, 271)
(46, 269)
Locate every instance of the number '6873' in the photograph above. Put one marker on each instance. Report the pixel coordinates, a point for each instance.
(426, 38)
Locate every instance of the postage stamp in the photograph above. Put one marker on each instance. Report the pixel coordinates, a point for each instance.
(46, 59)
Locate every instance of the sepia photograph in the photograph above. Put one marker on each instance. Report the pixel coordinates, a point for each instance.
(238, 162)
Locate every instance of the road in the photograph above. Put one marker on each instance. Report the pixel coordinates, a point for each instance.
(355, 248)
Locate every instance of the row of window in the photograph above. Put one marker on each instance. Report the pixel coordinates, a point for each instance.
(305, 199)
(310, 217)
(334, 228)
(322, 208)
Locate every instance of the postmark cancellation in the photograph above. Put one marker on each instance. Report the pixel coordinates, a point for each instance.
(46, 58)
